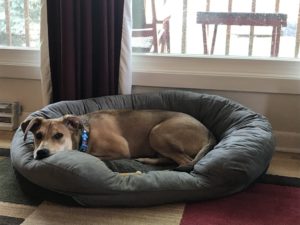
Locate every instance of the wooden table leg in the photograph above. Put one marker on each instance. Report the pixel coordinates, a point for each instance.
(278, 29)
(273, 43)
(204, 39)
(214, 40)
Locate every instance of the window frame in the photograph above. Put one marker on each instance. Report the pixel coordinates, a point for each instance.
(265, 75)
(19, 63)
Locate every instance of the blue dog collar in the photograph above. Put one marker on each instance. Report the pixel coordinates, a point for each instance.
(84, 141)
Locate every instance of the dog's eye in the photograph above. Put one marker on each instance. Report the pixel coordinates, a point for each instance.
(39, 136)
(58, 136)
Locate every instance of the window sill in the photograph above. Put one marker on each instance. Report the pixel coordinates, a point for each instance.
(18, 63)
(213, 73)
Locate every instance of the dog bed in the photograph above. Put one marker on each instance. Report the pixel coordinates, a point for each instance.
(243, 153)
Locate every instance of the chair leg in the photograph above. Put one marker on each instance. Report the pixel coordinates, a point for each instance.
(204, 39)
(214, 40)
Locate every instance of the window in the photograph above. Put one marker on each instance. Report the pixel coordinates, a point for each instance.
(19, 39)
(242, 45)
(20, 23)
(259, 28)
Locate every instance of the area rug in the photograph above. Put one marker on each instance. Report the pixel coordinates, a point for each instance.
(265, 202)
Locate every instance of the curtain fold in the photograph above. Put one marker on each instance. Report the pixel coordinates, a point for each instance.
(125, 78)
(46, 83)
(84, 47)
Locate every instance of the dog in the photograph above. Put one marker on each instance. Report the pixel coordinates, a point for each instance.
(149, 136)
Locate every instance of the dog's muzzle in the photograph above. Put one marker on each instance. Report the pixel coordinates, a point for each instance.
(42, 153)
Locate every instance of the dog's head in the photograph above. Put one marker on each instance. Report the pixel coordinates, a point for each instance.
(53, 135)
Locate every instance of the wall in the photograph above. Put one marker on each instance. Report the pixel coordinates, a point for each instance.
(26, 91)
(282, 110)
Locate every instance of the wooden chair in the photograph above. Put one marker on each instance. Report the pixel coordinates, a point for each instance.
(155, 34)
(275, 20)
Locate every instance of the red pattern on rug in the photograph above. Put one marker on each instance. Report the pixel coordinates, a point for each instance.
(257, 205)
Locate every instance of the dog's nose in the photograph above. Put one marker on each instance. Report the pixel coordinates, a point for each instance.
(42, 153)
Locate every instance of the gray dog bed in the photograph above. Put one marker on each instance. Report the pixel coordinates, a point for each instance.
(243, 152)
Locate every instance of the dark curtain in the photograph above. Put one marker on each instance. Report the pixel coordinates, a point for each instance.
(84, 47)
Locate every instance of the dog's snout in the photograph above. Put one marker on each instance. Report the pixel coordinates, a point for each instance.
(42, 153)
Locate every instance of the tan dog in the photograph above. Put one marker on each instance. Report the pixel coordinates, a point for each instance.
(151, 136)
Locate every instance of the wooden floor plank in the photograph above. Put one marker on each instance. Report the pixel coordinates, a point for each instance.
(5, 138)
(285, 164)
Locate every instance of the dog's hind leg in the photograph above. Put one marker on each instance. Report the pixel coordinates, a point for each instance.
(180, 139)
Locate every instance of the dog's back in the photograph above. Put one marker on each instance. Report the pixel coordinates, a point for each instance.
(139, 133)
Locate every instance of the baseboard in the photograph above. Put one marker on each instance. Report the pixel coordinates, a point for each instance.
(287, 141)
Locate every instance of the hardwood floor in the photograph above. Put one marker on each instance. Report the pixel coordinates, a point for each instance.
(283, 164)
(5, 138)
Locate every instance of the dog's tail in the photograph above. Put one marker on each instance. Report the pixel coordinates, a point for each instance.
(203, 151)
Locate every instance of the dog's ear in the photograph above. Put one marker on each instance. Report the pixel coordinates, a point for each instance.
(31, 125)
(72, 122)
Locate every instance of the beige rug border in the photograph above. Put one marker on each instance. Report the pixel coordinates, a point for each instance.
(16, 210)
(53, 214)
